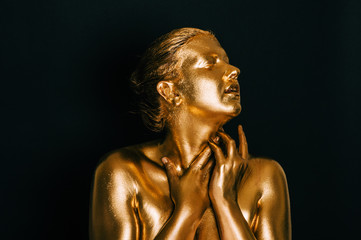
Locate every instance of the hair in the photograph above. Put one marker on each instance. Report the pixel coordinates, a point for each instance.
(159, 62)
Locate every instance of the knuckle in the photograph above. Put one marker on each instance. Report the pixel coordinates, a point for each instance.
(205, 174)
(195, 170)
(238, 160)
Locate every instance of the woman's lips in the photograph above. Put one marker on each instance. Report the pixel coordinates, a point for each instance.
(232, 89)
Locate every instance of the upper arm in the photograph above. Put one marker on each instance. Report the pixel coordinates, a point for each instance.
(113, 210)
(274, 211)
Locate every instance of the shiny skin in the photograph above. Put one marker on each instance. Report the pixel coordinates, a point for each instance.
(207, 73)
(194, 183)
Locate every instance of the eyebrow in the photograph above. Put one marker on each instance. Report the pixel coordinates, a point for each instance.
(216, 55)
(221, 54)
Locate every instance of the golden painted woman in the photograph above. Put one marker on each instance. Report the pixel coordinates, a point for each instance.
(194, 183)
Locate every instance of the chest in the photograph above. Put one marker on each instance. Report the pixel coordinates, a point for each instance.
(156, 206)
(154, 203)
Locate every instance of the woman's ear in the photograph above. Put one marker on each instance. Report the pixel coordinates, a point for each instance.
(169, 93)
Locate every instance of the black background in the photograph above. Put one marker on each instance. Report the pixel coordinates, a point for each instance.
(64, 76)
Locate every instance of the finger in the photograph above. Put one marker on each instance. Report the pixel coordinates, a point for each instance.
(229, 142)
(243, 168)
(202, 158)
(243, 146)
(217, 152)
(170, 169)
(208, 169)
(215, 139)
(208, 165)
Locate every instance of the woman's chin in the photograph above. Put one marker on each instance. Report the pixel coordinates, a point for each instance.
(234, 106)
(233, 112)
(237, 110)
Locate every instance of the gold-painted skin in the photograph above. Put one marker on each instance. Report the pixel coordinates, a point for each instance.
(194, 183)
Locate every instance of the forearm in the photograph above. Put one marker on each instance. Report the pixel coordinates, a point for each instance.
(181, 225)
(230, 220)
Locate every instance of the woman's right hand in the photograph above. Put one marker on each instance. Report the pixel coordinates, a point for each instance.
(189, 191)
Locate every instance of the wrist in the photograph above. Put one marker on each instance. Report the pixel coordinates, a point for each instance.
(222, 197)
(187, 217)
(223, 201)
(188, 212)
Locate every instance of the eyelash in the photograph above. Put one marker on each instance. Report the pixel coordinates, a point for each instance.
(209, 64)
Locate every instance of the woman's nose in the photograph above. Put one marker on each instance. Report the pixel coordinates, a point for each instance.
(233, 73)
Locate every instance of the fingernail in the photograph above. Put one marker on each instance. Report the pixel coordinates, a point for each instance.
(215, 139)
(164, 160)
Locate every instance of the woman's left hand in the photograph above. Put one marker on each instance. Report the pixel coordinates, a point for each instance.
(229, 167)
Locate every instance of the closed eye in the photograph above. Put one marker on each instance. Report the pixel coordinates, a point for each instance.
(210, 61)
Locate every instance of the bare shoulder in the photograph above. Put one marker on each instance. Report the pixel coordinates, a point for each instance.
(117, 167)
(267, 166)
(124, 164)
(114, 192)
(118, 160)
(270, 174)
(274, 204)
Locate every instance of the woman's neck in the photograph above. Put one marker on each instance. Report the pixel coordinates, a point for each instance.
(187, 136)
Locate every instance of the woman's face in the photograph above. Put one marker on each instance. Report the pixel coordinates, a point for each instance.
(209, 83)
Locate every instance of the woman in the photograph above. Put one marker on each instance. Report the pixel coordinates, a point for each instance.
(193, 184)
